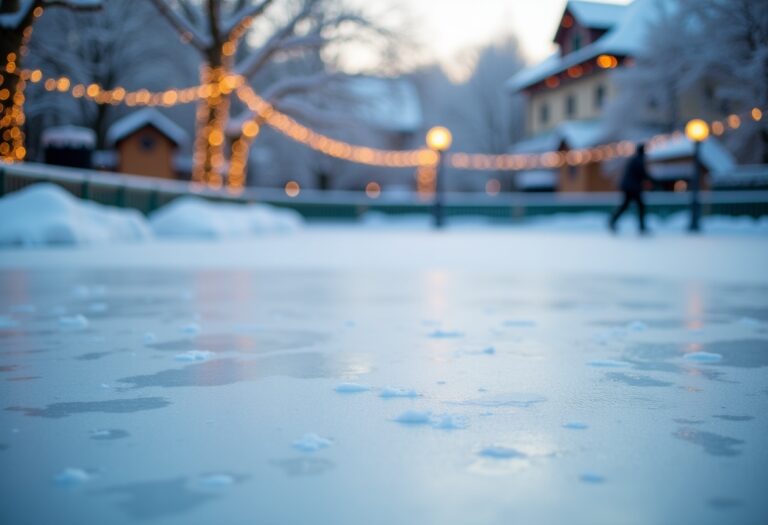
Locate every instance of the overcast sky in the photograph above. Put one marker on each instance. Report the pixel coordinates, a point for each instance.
(446, 27)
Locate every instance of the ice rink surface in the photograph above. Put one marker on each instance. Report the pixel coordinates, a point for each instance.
(345, 376)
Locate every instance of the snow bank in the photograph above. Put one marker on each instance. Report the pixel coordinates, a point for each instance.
(47, 214)
(197, 218)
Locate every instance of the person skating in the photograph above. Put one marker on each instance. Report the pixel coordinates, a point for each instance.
(632, 182)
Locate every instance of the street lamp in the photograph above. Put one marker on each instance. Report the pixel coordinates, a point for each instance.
(439, 140)
(697, 131)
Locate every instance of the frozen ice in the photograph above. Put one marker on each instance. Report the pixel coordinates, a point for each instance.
(194, 355)
(75, 322)
(351, 388)
(489, 350)
(216, 481)
(703, 357)
(591, 477)
(150, 338)
(501, 452)
(390, 392)
(8, 322)
(311, 443)
(415, 417)
(446, 334)
(637, 326)
(677, 441)
(450, 422)
(24, 308)
(72, 476)
(506, 399)
(191, 329)
(519, 323)
(608, 363)
(98, 307)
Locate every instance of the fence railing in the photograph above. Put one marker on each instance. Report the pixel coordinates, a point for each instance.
(147, 194)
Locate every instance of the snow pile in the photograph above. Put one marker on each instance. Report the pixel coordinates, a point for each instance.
(47, 214)
(193, 217)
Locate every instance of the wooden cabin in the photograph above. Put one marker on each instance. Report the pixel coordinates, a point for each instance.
(146, 143)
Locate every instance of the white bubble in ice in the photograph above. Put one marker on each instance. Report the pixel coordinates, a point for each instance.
(351, 388)
(311, 443)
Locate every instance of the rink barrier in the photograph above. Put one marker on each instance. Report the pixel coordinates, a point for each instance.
(148, 194)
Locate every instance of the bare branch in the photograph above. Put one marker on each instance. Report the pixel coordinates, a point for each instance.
(183, 26)
(257, 60)
(242, 12)
(293, 85)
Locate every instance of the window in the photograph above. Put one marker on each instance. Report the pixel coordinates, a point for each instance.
(599, 96)
(570, 106)
(544, 113)
(576, 42)
(147, 142)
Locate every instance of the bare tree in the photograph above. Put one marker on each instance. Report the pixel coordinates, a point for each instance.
(216, 28)
(104, 48)
(16, 19)
(712, 54)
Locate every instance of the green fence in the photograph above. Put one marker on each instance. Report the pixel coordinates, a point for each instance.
(147, 194)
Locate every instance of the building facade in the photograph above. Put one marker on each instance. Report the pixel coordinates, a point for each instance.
(568, 96)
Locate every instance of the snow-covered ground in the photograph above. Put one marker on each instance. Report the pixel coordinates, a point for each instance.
(46, 214)
(395, 375)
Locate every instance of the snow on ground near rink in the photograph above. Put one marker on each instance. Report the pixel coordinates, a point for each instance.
(344, 375)
(45, 214)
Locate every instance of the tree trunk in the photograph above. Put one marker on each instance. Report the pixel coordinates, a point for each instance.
(212, 115)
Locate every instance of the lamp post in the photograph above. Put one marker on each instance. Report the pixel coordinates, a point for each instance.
(697, 131)
(439, 140)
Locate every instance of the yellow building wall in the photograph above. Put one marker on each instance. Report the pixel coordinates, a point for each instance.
(136, 159)
(584, 91)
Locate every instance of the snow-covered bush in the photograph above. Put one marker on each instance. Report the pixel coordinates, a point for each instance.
(193, 217)
(47, 214)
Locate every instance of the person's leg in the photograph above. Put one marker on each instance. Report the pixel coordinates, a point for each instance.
(640, 211)
(620, 210)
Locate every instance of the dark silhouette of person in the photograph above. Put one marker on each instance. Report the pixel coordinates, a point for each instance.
(635, 175)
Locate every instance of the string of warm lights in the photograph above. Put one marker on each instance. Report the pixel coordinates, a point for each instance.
(329, 146)
(12, 115)
(580, 157)
(212, 113)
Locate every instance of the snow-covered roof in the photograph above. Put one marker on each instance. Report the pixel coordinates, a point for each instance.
(391, 104)
(575, 135)
(146, 117)
(596, 15)
(627, 38)
(745, 175)
(714, 156)
(549, 141)
(536, 179)
(69, 136)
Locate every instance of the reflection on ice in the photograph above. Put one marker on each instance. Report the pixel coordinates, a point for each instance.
(219, 372)
(713, 444)
(523, 393)
(112, 406)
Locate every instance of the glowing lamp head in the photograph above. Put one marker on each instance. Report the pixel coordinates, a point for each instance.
(697, 130)
(439, 138)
